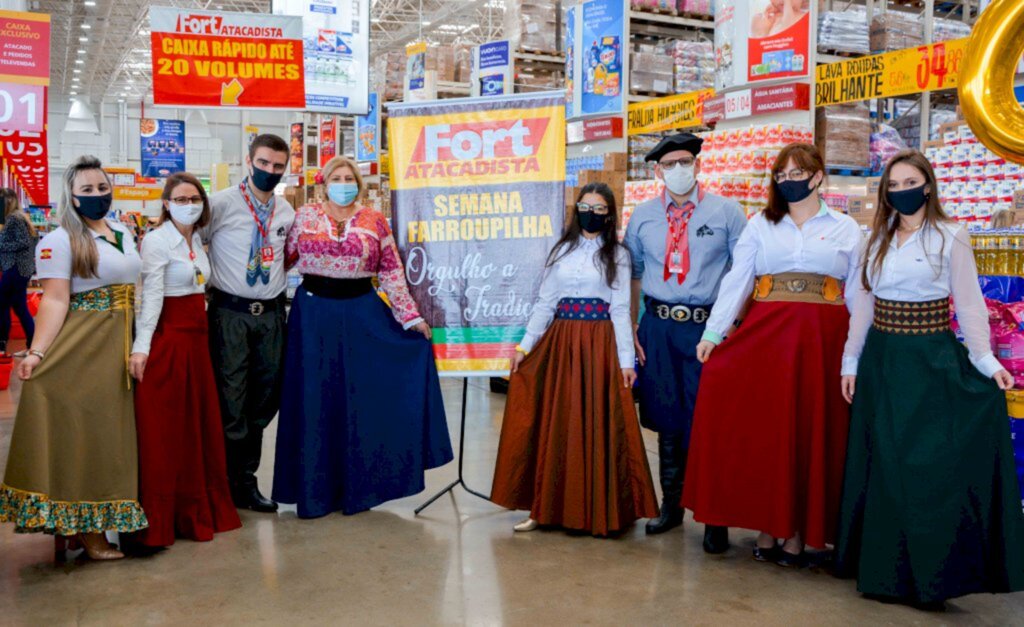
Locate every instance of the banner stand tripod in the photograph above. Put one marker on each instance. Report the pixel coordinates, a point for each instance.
(462, 446)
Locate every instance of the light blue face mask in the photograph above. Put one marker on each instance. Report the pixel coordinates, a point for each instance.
(343, 194)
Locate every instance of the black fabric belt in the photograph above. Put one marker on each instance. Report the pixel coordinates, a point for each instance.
(698, 314)
(338, 289)
(245, 305)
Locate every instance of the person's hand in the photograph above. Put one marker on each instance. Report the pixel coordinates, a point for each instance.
(641, 356)
(849, 385)
(424, 329)
(628, 377)
(517, 359)
(137, 365)
(1004, 380)
(27, 366)
(704, 349)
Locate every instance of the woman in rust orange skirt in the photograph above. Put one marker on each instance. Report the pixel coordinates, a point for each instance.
(571, 451)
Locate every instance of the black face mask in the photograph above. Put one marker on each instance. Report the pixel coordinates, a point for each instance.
(265, 181)
(795, 191)
(592, 222)
(907, 201)
(94, 207)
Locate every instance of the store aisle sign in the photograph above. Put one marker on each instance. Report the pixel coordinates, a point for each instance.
(757, 101)
(478, 201)
(761, 40)
(129, 185)
(898, 73)
(21, 107)
(24, 48)
(24, 154)
(226, 59)
(162, 147)
(367, 129)
(336, 52)
(491, 69)
(665, 114)
(593, 129)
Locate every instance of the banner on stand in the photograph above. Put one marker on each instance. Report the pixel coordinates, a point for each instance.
(295, 147)
(603, 27)
(665, 114)
(477, 201)
(226, 59)
(761, 40)
(572, 69)
(25, 54)
(336, 51)
(162, 146)
(897, 73)
(368, 132)
(24, 156)
(328, 139)
(416, 71)
(491, 73)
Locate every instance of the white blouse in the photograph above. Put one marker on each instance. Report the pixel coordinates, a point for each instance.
(931, 264)
(167, 270)
(827, 244)
(53, 260)
(581, 275)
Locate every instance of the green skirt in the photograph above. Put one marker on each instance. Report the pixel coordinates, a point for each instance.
(931, 508)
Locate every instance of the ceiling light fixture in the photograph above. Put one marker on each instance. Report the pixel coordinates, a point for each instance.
(86, 26)
(89, 3)
(79, 61)
(81, 51)
(425, 23)
(77, 71)
(74, 93)
(83, 39)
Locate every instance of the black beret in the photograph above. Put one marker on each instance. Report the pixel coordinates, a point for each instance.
(681, 141)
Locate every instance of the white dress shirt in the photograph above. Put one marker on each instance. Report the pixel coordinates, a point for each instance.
(580, 274)
(931, 264)
(229, 235)
(827, 244)
(167, 270)
(53, 260)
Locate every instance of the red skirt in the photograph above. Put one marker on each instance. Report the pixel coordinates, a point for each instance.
(183, 484)
(770, 425)
(571, 451)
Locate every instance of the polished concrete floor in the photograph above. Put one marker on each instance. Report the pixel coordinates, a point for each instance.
(458, 563)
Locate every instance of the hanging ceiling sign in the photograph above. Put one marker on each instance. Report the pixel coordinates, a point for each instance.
(221, 59)
(25, 48)
(24, 155)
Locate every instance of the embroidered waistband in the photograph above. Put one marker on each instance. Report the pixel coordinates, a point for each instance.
(799, 287)
(905, 318)
(583, 309)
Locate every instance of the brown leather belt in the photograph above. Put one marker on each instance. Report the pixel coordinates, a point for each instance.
(905, 318)
(799, 287)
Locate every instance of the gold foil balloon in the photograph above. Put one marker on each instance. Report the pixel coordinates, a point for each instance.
(986, 79)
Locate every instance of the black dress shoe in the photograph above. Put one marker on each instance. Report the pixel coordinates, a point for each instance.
(671, 517)
(250, 498)
(716, 539)
(790, 560)
(769, 554)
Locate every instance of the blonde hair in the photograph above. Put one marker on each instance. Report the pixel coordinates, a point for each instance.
(1002, 219)
(12, 207)
(343, 162)
(85, 257)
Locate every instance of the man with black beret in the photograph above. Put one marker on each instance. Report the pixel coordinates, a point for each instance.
(681, 244)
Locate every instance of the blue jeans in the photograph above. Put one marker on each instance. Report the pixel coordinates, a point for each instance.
(13, 292)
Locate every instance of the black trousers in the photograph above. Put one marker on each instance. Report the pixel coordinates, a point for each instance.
(248, 355)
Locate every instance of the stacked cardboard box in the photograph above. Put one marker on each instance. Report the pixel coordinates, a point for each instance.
(534, 25)
(895, 30)
(693, 65)
(652, 71)
(388, 74)
(843, 135)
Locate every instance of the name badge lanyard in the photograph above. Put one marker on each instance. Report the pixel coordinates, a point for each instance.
(200, 279)
(266, 252)
(675, 263)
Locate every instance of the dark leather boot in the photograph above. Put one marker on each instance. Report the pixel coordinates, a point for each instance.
(716, 539)
(671, 466)
(249, 497)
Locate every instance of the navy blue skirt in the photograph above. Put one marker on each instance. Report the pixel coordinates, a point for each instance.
(362, 416)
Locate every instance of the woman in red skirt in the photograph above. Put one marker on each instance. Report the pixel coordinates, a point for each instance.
(183, 484)
(571, 451)
(770, 425)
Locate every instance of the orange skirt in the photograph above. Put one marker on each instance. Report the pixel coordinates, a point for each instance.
(571, 451)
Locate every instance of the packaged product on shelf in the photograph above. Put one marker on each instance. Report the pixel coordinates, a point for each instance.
(533, 26)
(895, 30)
(974, 182)
(388, 74)
(844, 31)
(652, 71)
(843, 135)
(693, 65)
(463, 63)
(885, 143)
(697, 8)
(946, 29)
(659, 6)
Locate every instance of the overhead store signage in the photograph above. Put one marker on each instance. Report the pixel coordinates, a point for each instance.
(368, 132)
(478, 201)
(491, 73)
(665, 114)
(162, 147)
(128, 185)
(757, 101)
(336, 49)
(761, 40)
(416, 72)
(24, 155)
(226, 59)
(21, 107)
(593, 129)
(24, 48)
(897, 73)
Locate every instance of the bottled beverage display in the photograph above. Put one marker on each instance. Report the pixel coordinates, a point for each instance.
(999, 252)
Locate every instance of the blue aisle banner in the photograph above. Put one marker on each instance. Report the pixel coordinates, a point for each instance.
(492, 65)
(570, 62)
(368, 132)
(162, 147)
(603, 74)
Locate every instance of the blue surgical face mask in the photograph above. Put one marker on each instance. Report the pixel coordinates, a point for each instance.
(343, 194)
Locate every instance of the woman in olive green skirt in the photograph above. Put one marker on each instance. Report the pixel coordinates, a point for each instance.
(931, 507)
(72, 469)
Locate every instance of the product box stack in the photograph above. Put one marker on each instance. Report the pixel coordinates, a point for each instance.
(463, 63)
(652, 72)
(844, 31)
(654, 6)
(895, 30)
(947, 30)
(974, 182)
(534, 26)
(695, 8)
(737, 163)
(843, 134)
(388, 74)
(909, 125)
(639, 146)
(609, 169)
(441, 59)
(694, 65)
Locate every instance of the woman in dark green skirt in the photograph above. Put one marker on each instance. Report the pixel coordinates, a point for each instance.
(931, 508)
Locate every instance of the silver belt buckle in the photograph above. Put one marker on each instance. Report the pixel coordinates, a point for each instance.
(256, 309)
(663, 312)
(700, 315)
(681, 313)
(797, 286)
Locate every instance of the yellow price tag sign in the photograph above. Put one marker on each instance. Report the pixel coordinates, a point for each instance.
(664, 114)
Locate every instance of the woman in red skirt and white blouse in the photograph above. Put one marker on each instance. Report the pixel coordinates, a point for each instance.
(183, 485)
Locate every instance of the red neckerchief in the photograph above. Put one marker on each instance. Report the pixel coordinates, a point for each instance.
(676, 240)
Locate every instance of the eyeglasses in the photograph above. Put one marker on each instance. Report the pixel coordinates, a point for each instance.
(671, 163)
(796, 174)
(186, 200)
(584, 207)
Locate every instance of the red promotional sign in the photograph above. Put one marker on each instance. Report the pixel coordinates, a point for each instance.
(773, 53)
(757, 101)
(328, 140)
(593, 129)
(24, 48)
(212, 59)
(24, 155)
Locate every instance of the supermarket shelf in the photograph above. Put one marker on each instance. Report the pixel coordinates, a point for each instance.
(558, 60)
(641, 17)
(843, 171)
(825, 57)
(641, 98)
(453, 88)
